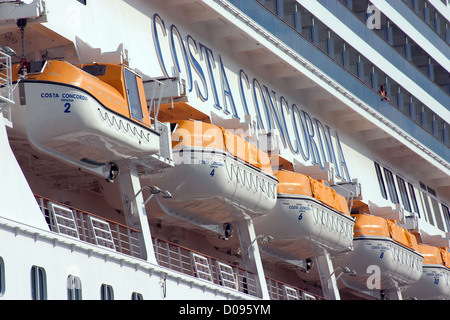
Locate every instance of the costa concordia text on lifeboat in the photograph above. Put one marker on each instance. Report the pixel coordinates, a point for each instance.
(90, 116)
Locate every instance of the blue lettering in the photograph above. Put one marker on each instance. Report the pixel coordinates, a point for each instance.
(157, 20)
(243, 75)
(342, 162)
(311, 142)
(226, 90)
(211, 65)
(174, 32)
(301, 133)
(257, 85)
(283, 102)
(273, 112)
(296, 111)
(198, 69)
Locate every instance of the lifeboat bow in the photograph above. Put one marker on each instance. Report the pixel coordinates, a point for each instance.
(91, 116)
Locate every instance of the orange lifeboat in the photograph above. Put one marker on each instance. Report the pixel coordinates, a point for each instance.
(307, 212)
(88, 116)
(218, 177)
(385, 255)
(435, 281)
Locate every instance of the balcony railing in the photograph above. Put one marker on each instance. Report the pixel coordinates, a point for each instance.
(89, 227)
(99, 231)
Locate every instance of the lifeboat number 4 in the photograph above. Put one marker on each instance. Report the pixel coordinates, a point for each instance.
(212, 172)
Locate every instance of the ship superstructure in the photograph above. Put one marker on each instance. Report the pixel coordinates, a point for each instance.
(225, 149)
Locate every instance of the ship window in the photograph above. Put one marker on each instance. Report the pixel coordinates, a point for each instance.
(412, 194)
(380, 181)
(427, 208)
(403, 194)
(106, 292)
(391, 186)
(73, 288)
(446, 214)
(95, 69)
(2, 277)
(437, 214)
(134, 100)
(82, 1)
(136, 296)
(38, 283)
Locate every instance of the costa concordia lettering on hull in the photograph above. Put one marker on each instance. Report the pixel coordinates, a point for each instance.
(230, 149)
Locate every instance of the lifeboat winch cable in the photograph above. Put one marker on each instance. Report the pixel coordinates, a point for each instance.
(24, 64)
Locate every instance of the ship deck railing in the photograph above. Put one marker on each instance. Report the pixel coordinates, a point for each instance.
(89, 227)
(100, 231)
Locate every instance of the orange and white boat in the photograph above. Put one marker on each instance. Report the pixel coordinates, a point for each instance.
(308, 213)
(385, 256)
(218, 177)
(435, 281)
(90, 115)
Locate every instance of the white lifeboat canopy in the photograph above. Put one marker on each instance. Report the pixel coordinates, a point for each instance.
(435, 281)
(307, 213)
(385, 256)
(218, 177)
(88, 116)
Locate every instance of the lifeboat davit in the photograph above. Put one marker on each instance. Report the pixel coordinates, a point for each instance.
(385, 256)
(88, 115)
(218, 176)
(435, 281)
(307, 213)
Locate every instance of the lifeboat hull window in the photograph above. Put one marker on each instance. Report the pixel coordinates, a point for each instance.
(134, 100)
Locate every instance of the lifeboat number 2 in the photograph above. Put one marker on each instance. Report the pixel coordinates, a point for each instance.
(67, 107)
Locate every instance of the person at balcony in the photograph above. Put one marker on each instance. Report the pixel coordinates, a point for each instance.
(383, 93)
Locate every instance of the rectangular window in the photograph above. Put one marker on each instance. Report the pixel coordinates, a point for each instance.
(38, 283)
(106, 292)
(134, 100)
(437, 214)
(73, 288)
(391, 186)
(426, 204)
(403, 194)
(446, 214)
(412, 194)
(380, 180)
